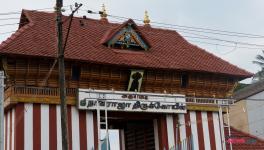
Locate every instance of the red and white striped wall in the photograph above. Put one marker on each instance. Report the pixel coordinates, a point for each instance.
(204, 127)
(37, 127)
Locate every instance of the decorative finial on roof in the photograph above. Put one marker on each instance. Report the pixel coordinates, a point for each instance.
(103, 13)
(146, 18)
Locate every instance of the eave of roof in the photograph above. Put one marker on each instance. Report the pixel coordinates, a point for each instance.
(250, 90)
(257, 143)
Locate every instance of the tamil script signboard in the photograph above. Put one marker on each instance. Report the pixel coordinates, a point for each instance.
(130, 101)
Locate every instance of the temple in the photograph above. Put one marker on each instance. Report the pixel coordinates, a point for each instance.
(157, 89)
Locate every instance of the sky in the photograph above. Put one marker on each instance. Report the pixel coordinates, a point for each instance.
(243, 16)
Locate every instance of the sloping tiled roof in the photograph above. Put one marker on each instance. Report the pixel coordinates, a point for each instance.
(244, 141)
(249, 90)
(169, 50)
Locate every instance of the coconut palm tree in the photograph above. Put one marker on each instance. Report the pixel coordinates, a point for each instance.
(259, 61)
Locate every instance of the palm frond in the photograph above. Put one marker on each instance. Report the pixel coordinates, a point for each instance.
(260, 57)
(259, 75)
(259, 60)
(261, 64)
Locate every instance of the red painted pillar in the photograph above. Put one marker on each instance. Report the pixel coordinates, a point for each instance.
(163, 135)
(19, 127)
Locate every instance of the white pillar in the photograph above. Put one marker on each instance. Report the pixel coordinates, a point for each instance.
(222, 128)
(156, 134)
(2, 140)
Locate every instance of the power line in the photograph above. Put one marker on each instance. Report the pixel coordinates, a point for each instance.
(203, 37)
(19, 12)
(213, 38)
(9, 18)
(242, 36)
(224, 45)
(221, 40)
(168, 25)
(217, 39)
(182, 27)
(8, 24)
(198, 29)
(10, 13)
(7, 32)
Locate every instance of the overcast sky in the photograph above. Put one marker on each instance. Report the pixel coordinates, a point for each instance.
(245, 16)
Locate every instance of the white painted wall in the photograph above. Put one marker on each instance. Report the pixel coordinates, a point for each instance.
(255, 111)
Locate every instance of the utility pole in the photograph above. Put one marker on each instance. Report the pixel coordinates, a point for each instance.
(60, 59)
(63, 104)
(2, 110)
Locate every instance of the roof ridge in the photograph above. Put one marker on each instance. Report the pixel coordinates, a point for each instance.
(249, 90)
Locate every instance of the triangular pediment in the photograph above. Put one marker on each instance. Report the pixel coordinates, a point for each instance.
(127, 36)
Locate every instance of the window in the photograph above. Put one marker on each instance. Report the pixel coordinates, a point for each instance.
(184, 80)
(76, 72)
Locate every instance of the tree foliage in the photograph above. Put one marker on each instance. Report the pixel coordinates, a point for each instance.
(260, 62)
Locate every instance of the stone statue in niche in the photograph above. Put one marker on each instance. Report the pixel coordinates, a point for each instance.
(135, 83)
(127, 39)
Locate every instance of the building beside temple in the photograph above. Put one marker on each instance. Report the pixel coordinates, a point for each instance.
(249, 102)
(161, 91)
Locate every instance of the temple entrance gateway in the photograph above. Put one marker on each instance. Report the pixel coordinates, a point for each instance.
(136, 130)
(139, 135)
(135, 114)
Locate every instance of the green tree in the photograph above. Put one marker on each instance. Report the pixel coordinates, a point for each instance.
(260, 62)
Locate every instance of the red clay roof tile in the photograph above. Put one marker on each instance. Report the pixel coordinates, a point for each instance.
(243, 141)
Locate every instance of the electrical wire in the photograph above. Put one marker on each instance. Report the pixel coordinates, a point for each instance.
(256, 46)
(8, 24)
(190, 28)
(211, 38)
(9, 18)
(195, 37)
(10, 13)
(19, 12)
(223, 45)
(197, 29)
(199, 35)
(7, 32)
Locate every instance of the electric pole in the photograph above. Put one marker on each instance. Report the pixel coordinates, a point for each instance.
(60, 59)
(63, 104)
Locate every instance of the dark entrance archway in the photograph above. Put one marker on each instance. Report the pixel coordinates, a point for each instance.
(139, 135)
(138, 129)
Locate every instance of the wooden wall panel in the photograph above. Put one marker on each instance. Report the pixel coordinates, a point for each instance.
(32, 72)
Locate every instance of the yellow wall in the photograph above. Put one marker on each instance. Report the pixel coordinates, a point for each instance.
(238, 116)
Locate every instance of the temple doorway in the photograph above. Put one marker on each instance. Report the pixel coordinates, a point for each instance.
(134, 131)
(139, 135)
